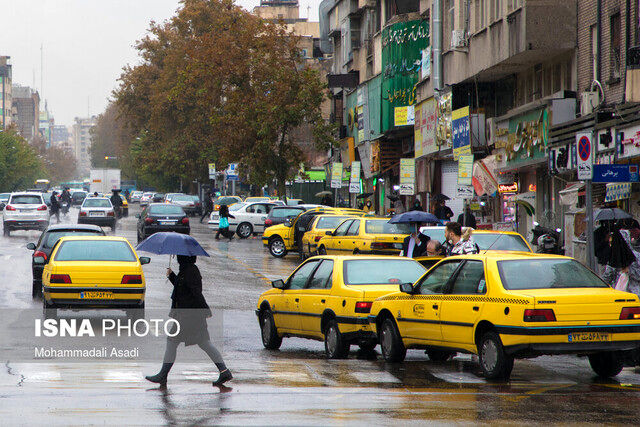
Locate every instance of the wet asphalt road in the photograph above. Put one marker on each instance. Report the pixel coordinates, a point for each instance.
(294, 386)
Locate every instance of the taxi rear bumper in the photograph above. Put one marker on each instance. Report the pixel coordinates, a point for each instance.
(539, 349)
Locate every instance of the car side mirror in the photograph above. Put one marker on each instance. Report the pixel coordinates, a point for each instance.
(145, 260)
(31, 246)
(328, 233)
(407, 288)
(39, 260)
(287, 222)
(278, 284)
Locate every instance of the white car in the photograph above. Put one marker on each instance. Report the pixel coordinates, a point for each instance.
(25, 211)
(97, 211)
(146, 198)
(249, 218)
(135, 196)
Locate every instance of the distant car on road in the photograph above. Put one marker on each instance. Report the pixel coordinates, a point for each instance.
(161, 217)
(146, 198)
(249, 218)
(77, 197)
(47, 241)
(97, 211)
(186, 202)
(135, 196)
(157, 198)
(25, 211)
(279, 214)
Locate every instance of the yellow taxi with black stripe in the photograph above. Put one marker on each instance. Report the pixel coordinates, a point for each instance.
(89, 272)
(328, 298)
(367, 235)
(318, 229)
(284, 238)
(502, 306)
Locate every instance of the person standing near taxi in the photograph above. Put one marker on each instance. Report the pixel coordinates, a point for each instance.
(459, 243)
(190, 309)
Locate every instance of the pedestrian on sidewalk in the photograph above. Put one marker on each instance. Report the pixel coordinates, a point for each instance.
(223, 224)
(55, 205)
(191, 310)
(623, 269)
(208, 206)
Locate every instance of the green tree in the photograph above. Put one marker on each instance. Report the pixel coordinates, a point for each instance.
(216, 83)
(20, 163)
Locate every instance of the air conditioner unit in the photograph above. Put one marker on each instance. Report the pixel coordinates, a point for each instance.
(458, 38)
(588, 101)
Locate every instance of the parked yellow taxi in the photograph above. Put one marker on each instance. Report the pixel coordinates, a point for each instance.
(365, 235)
(287, 237)
(328, 298)
(502, 306)
(317, 230)
(88, 272)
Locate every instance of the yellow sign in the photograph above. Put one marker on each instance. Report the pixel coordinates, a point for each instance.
(465, 169)
(404, 116)
(336, 175)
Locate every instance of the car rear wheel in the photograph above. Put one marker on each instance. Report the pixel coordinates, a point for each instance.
(270, 338)
(605, 364)
(495, 363)
(335, 345)
(36, 289)
(439, 355)
(277, 247)
(244, 230)
(393, 349)
(322, 250)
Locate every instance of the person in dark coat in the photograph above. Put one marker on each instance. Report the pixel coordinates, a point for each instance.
(417, 206)
(415, 244)
(442, 211)
(224, 213)
(116, 201)
(327, 200)
(470, 220)
(601, 246)
(191, 310)
(208, 206)
(55, 205)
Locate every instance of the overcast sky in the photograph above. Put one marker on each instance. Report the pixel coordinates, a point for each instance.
(86, 43)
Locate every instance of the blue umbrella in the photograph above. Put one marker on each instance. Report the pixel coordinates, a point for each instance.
(171, 244)
(414, 217)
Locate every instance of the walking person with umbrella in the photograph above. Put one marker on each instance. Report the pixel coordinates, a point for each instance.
(415, 244)
(442, 211)
(188, 305)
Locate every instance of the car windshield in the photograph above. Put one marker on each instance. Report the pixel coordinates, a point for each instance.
(53, 236)
(329, 222)
(165, 210)
(285, 212)
(384, 227)
(237, 207)
(96, 203)
(547, 274)
(26, 200)
(182, 198)
(500, 242)
(95, 250)
(79, 194)
(382, 271)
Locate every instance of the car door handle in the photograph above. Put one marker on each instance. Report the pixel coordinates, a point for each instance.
(435, 306)
(322, 301)
(476, 308)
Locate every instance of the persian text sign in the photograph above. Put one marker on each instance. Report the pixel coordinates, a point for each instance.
(336, 175)
(465, 169)
(425, 128)
(354, 183)
(460, 128)
(407, 177)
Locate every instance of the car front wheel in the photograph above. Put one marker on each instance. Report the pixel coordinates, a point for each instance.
(244, 230)
(495, 363)
(277, 247)
(393, 349)
(270, 338)
(605, 364)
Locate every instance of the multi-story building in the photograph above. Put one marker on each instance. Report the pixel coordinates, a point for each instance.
(26, 102)
(6, 110)
(46, 123)
(82, 143)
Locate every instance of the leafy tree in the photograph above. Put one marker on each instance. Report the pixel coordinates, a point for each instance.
(20, 164)
(217, 83)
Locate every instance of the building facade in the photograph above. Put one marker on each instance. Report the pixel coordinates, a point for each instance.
(26, 102)
(81, 135)
(6, 105)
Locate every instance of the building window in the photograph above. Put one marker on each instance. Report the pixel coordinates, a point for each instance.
(594, 52)
(480, 15)
(496, 11)
(400, 7)
(616, 51)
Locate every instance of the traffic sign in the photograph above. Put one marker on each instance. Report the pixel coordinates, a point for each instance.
(585, 155)
(212, 170)
(232, 172)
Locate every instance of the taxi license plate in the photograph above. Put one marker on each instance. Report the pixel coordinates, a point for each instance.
(96, 295)
(167, 222)
(96, 213)
(588, 337)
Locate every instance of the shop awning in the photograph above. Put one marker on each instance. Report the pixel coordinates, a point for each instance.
(569, 196)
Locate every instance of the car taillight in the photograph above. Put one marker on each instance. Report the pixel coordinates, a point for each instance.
(149, 220)
(539, 315)
(268, 222)
(185, 221)
(129, 279)
(317, 238)
(630, 313)
(60, 278)
(363, 306)
(82, 213)
(42, 208)
(40, 253)
(9, 208)
(381, 245)
(111, 213)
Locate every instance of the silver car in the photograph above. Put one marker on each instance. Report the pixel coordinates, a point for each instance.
(97, 211)
(25, 211)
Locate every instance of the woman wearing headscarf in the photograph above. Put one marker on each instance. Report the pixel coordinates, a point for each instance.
(191, 310)
(223, 225)
(623, 259)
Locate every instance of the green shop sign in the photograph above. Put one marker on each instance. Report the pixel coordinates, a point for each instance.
(402, 46)
(528, 137)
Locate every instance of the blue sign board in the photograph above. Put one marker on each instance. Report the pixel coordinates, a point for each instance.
(615, 173)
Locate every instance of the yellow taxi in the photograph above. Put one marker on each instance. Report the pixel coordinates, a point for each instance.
(317, 230)
(284, 238)
(328, 298)
(125, 205)
(87, 272)
(255, 199)
(503, 306)
(367, 235)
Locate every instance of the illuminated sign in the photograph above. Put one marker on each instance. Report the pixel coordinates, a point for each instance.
(532, 187)
(508, 188)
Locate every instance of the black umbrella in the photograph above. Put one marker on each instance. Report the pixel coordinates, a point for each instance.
(414, 217)
(440, 197)
(364, 195)
(608, 214)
